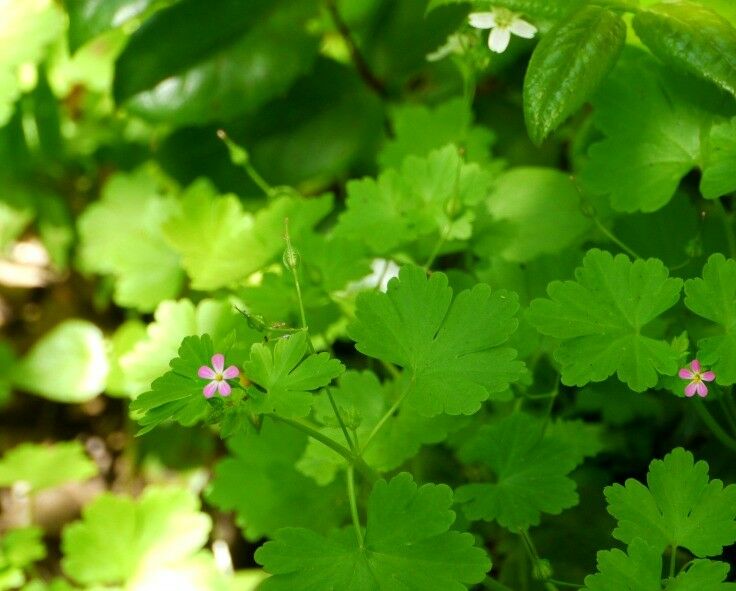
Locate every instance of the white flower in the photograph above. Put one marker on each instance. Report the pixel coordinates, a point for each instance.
(452, 45)
(502, 22)
(383, 271)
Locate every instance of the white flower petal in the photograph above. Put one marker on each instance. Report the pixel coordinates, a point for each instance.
(521, 28)
(499, 39)
(482, 20)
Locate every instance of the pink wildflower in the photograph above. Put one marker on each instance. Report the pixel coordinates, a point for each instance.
(218, 375)
(697, 379)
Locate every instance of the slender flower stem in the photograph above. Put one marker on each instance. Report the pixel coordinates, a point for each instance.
(368, 473)
(387, 416)
(589, 211)
(452, 208)
(240, 157)
(291, 252)
(435, 251)
(673, 561)
(714, 426)
(615, 239)
(391, 368)
(354, 506)
(550, 405)
(565, 584)
(291, 260)
(531, 550)
(533, 556)
(315, 434)
(343, 428)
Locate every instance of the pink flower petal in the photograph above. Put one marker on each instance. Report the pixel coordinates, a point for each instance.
(708, 376)
(691, 388)
(231, 372)
(695, 365)
(685, 374)
(209, 389)
(218, 362)
(224, 388)
(701, 389)
(206, 373)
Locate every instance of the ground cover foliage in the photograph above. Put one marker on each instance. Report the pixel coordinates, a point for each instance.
(367, 295)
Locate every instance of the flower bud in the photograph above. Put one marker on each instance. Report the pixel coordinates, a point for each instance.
(291, 257)
(542, 570)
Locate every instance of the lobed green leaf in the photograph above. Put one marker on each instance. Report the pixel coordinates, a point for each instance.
(419, 326)
(601, 317)
(407, 544)
(679, 507)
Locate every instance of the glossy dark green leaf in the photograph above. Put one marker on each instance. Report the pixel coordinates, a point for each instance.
(692, 37)
(174, 39)
(200, 61)
(397, 36)
(336, 136)
(568, 65)
(89, 18)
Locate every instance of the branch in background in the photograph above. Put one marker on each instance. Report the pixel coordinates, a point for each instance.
(361, 65)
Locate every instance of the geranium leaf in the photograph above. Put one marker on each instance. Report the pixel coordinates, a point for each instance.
(601, 318)
(712, 297)
(679, 507)
(419, 326)
(259, 482)
(407, 543)
(530, 473)
(288, 376)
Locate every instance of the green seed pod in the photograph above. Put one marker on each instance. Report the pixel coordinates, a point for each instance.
(542, 570)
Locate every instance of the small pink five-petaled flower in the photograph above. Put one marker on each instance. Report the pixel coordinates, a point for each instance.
(696, 377)
(218, 374)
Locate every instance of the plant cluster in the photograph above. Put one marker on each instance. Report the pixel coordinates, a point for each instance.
(414, 296)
